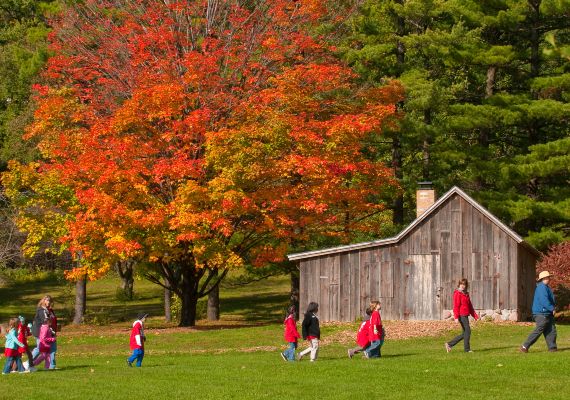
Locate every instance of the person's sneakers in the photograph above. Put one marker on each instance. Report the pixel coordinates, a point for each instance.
(312, 360)
(447, 347)
(283, 357)
(350, 354)
(32, 369)
(469, 351)
(523, 349)
(26, 371)
(554, 350)
(130, 364)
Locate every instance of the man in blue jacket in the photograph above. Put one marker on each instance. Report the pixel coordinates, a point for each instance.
(543, 314)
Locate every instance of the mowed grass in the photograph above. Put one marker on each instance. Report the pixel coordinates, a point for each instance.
(238, 357)
(240, 363)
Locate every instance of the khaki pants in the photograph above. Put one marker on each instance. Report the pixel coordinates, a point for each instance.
(313, 349)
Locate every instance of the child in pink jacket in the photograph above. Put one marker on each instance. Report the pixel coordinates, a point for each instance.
(46, 339)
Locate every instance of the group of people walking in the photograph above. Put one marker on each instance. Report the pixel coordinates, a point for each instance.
(369, 338)
(43, 329)
(371, 334)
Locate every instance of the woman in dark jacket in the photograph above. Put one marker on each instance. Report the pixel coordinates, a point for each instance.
(44, 312)
(311, 331)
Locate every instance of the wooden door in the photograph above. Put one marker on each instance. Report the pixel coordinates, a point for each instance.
(424, 301)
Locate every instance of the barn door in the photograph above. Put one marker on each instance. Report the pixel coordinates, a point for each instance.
(424, 287)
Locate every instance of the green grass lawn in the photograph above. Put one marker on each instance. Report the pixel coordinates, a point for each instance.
(243, 363)
(238, 357)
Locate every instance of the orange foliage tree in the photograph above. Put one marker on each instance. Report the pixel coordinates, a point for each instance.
(200, 136)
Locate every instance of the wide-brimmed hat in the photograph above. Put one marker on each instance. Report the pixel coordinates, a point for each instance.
(544, 274)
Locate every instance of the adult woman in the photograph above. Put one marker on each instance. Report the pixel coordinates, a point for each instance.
(44, 312)
(462, 309)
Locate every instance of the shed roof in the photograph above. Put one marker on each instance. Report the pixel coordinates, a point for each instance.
(401, 235)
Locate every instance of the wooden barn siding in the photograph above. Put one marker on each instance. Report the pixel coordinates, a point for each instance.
(455, 241)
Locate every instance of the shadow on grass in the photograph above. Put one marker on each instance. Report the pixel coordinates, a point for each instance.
(487, 349)
(17, 295)
(255, 308)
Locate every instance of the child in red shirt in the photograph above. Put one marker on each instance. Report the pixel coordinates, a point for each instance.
(23, 331)
(137, 341)
(362, 338)
(375, 332)
(291, 335)
(462, 309)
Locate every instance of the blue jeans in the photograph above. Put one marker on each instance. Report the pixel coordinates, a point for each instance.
(8, 365)
(290, 352)
(36, 350)
(373, 350)
(138, 355)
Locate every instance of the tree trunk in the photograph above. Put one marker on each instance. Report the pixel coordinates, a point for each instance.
(426, 148)
(80, 300)
(398, 213)
(490, 84)
(535, 24)
(188, 311)
(167, 302)
(125, 270)
(214, 304)
(188, 288)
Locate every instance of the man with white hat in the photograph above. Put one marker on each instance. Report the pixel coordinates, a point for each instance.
(543, 314)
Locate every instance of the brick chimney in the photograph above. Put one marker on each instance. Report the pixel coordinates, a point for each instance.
(425, 197)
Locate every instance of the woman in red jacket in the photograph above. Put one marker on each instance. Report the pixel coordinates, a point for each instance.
(462, 309)
(291, 335)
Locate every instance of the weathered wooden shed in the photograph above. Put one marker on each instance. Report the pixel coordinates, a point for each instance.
(414, 274)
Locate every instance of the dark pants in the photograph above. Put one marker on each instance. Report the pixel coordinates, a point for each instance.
(544, 326)
(465, 335)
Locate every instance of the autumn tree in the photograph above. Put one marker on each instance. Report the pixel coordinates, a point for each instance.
(196, 137)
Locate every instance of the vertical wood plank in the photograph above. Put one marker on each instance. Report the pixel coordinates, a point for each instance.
(466, 241)
(324, 280)
(344, 288)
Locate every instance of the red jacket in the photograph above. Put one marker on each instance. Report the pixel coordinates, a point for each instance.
(375, 328)
(137, 335)
(46, 338)
(462, 306)
(291, 332)
(362, 334)
(23, 333)
(52, 320)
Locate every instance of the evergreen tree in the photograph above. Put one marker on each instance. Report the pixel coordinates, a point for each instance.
(484, 102)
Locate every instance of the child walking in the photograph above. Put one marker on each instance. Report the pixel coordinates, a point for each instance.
(311, 331)
(291, 335)
(23, 332)
(462, 309)
(11, 348)
(137, 341)
(46, 340)
(362, 338)
(375, 332)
